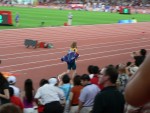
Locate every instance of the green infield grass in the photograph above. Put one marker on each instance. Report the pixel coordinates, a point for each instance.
(32, 17)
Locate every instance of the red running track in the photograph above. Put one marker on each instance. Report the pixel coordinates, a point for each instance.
(97, 44)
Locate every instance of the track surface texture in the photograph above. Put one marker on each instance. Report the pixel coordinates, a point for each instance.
(97, 45)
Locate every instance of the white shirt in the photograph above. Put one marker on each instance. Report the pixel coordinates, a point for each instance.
(49, 93)
(70, 16)
(16, 90)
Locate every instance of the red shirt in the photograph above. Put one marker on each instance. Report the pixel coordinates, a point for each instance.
(76, 93)
(16, 100)
(95, 80)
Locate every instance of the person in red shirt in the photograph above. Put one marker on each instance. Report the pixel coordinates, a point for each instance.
(14, 99)
(95, 79)
(75, 93)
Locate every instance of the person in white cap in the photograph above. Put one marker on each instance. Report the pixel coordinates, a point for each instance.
(12, 80)
(50, 96)
(53, 81)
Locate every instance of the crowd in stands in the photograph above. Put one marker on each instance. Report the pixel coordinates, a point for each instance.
(100, 91)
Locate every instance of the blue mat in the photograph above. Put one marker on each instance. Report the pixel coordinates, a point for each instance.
(126, 21)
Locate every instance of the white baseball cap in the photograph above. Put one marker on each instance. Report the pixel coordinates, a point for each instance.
(52, 81)
(11, 79)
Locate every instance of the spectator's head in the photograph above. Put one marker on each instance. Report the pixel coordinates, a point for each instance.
(66, 79)
(10, 108)
(109, 76)
(129, 64)
(77, 80)
(96, 70)
(12, 80)
(42, 82)
(90, 69)
(28, 84)
(53, 81)
(85, 79)
(143, 52)
(122, 68)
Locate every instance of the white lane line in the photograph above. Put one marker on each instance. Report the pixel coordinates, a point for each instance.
(63, 63)
(80, 56)
(132, 31)
(65, 51)
(139, 40)
(94, 37)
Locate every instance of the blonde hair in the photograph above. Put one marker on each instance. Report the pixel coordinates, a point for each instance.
(74, 45)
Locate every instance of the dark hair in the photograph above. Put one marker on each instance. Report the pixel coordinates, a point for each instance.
(110, 65)
(96, 70)
(112, 73)
(28, 87)
(10, 108)
(90, 69)
(3, 81)
(77, 80)
(128, 63)
(117, 66)
(11, 91)
(42, 82)
(66, 79)
(85, 77)
(143, 52)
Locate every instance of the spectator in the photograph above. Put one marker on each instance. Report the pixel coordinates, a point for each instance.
(139, 57)
(4, 90)
(90, 71)
(50, 96)
(53, 81)
(28, 96)
(39, 101)
(95, 79)
(75, 93)
(12, 80)
(66, 87)
(10, 108)
(131, 68)
(137, 92)
(87, 95)
(14, 99)
(109, 100)
(122, 78)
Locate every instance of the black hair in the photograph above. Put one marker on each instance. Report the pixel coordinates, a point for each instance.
(77, 80)
(42, 82)
(128, 63)
(66, 79)
(143, 52)
(85, 77)
(90, 69)
(11, 91)
(28, 87)
(96, 70)
(112, 73)
(3, 81)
